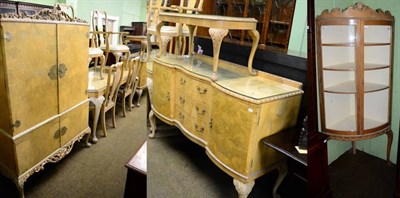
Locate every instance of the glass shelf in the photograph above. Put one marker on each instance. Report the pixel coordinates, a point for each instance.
(350, 87)
(351, 66)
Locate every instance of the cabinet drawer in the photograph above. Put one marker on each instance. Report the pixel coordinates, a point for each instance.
(200, 112)
(183, 118)
(37, 145)
(183, 82)
(74, 122)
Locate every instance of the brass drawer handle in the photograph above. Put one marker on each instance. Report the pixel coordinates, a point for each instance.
(201, 91)
(63, 131)
(181, 116)
(200, 112)
(62, 70)
(210, 124)
(16, 124)
(53, 72)
(199, 129)
(183, 81)
(181, 100)
(168, 97)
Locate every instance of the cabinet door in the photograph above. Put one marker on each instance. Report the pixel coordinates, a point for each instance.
(29, 61)
(73, 123)
(230, 135)
(37, 145)
(73, 66)
(162, 82)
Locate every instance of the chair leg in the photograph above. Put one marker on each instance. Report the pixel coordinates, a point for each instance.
(139, 92)
(103, 121)
(123, 105)
(113, 116)
(130, 100)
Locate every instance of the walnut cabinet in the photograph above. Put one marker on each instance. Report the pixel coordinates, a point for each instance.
(43, 99)
(227, 117)
(355, 63)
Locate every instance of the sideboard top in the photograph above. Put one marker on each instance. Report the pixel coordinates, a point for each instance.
(234, 78)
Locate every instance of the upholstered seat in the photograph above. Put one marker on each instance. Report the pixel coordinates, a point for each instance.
(95, 52)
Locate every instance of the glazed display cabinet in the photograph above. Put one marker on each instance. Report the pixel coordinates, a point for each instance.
(355, 63)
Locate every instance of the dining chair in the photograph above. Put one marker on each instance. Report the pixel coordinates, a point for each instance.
(103, 35)
(129, 88)
(114, 77)
(169, 32)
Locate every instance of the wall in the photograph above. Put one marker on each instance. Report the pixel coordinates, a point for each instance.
(298, 35)
(376, 146)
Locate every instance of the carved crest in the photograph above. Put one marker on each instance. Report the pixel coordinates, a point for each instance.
(357, 10)
(45, 14)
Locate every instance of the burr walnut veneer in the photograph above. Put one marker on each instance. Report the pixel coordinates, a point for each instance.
(43, 101)
(227, 117)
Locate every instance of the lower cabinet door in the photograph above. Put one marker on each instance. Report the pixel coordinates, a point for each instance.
(37, 145)
(230, 135)
(74, 122)
(162, 95)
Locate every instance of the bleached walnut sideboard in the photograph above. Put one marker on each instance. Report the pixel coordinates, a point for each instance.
(43, 97)
(227, 117)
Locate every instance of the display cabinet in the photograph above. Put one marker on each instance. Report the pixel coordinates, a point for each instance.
(355, 62)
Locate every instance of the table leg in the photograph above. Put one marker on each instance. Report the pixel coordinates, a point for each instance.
(153, 126)
(97, 106)
(103, 64)
(255, 36)
(216, 35)
(282, 170)
(192, 29)
(243, 189)
(389, 145)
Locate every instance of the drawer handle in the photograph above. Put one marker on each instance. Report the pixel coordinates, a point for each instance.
(183, 81)
(200, 112)
(62, 70)
(16, 124)
(53, 72)
(210, 124)
(63, 131)
(168, 97)
(182, 100)
(199, 129)
(181, 116)
(201, 91)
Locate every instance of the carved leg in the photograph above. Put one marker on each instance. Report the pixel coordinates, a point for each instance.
(282, 170)
(160, 42)
(354, 147)
(153, 126)
(216, 35)
(123, 105)
(103, 120)
(389, 145)
(164, 40)
(103, 64)
(139, 92)
(255, 36)
(98, 102)
(243, 189)
(87, 139)
(149, 47)
(192, 30)
(113, 115)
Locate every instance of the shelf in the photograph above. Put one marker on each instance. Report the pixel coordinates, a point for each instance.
(375, 44)
(349, 87)
(349, 124)
(339, 44)
(351, 66)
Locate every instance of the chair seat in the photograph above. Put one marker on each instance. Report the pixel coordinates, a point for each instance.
(169, 30)
(116, 48)
(95, 52)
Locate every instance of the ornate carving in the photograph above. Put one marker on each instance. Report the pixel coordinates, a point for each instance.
(56, 157)
(243, 189)
(357, 10)
(45, 14)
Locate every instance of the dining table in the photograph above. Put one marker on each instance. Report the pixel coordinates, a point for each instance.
(96, 90)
